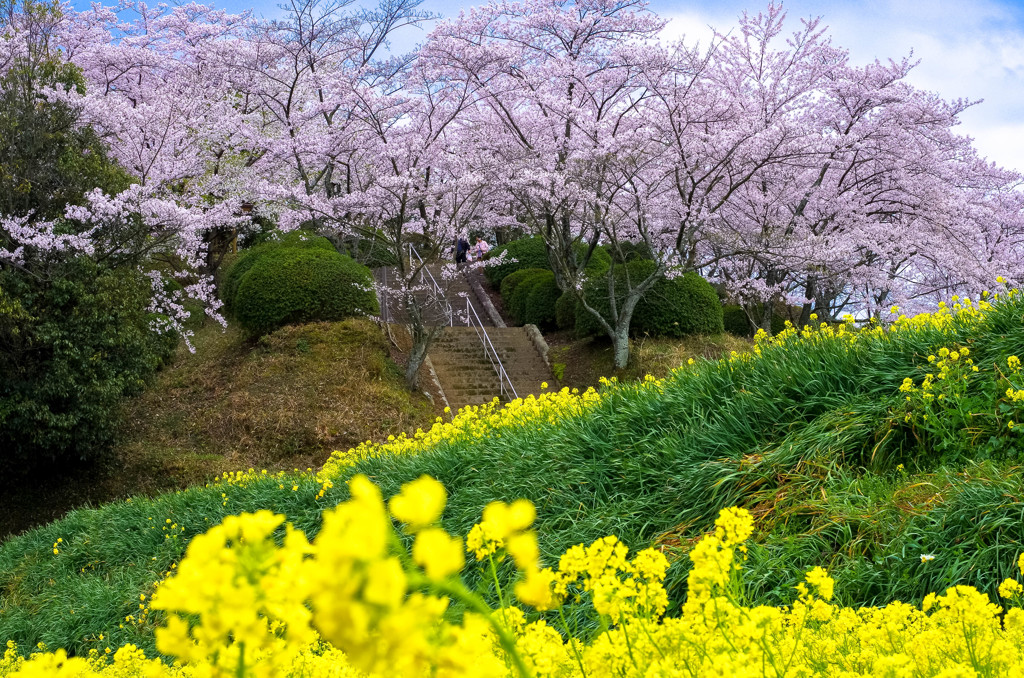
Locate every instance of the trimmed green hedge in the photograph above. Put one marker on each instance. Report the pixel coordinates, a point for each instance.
(515, 302)
(678, 307)
(600, 261)
(529, 253)
(540, 303)
(512, 281)
(565, 311)
(673, 307)
(530, 296)
(298, 239)
(291, 285)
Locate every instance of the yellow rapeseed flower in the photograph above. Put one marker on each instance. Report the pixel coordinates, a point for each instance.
(419, 503)
(438, 553)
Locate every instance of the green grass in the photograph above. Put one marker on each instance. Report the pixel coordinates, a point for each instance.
(810, 437)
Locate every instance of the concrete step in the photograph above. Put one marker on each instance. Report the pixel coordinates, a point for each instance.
(468, 377)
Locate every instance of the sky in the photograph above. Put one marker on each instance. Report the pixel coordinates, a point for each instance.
(969, 49)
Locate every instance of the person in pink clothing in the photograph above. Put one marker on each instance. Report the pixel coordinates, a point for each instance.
(480, 249)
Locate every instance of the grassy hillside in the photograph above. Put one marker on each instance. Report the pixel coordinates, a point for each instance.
(294, 396)
(845, 462)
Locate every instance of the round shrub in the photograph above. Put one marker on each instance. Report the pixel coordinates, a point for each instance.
(290, 285)
(565, 311)
(516, 304)
(511, 281)
(527, 252)
(672, 307)
(298, 239)
(540, 303)
(600, 260)
(677, 307)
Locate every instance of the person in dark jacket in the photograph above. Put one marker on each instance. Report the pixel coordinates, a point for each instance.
(461, 250)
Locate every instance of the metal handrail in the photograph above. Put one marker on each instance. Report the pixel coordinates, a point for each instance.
(489, 350)
(438, 290)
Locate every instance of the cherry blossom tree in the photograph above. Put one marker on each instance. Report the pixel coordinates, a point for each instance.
(413, 192)
(883, 192)
(357, 144)
(562, 89)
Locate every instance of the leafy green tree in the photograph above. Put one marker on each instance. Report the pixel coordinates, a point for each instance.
(75, 330)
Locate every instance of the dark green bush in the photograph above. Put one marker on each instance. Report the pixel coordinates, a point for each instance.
(565, 311)
(678, 307)
(291, 285)
(527, 252)
(672, 307)
(297, 239)
(600, 260)
(70, 350)
(540, 303)
(736, 322)
(511, 281)
(515, 304)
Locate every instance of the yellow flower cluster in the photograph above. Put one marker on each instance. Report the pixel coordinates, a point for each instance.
(315, 661)
(961, 311)
(951, 365)
(475, 422)
(253, 597)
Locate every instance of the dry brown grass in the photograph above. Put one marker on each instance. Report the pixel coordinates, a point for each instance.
(285, 402)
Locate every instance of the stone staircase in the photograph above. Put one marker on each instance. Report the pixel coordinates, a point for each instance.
(456, 292)
(466, 375)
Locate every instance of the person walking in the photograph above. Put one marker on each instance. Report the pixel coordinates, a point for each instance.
(480, 249)
(461, 250)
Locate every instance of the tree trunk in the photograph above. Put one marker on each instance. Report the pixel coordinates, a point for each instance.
(417, 354)
(620, 345)
(810, 293)
(620, 333)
